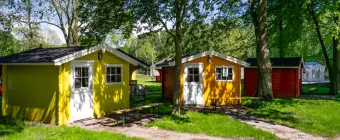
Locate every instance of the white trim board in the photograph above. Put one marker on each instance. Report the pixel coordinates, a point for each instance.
(213, 53)
(102, 47)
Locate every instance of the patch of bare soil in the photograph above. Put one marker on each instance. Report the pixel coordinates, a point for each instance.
(134, 127)
(282, 132)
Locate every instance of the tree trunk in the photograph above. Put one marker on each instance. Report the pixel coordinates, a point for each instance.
(281, 45)
(324, 51)
(280, 16)
(75, 22)
(263, 60)
(336, 58)
(259, 16)
(180, 9)
(177, 81)
(336, 68)
(30, 28)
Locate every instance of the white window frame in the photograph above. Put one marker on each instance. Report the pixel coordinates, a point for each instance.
(232, 67)
(121, 73)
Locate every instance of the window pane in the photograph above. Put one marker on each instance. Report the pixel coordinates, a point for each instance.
(230, 77)
(195, 70)
(218, 76)
(108, 79)
(196, 78)
(77, 82)
(218, 70)
(108, 70)
(77, 72)
(118, 70)
(85, 72)
(84, 82)
(118, 78)
(191, 71)
(230, 74)
(230, 70)
(113, 70)
(224, 77)
(189, 78)
(113, 78)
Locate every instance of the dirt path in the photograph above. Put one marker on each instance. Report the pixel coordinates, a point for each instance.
(136, 129)
(282, 132)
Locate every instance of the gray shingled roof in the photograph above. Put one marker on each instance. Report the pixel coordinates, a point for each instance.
(278, 62)
(40, 55)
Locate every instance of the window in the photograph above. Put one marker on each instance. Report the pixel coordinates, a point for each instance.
(224, 73)
(113, 74)
(81, 77)
(193, 75)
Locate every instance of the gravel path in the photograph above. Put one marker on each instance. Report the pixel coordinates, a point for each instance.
(136, 129)
(280, 131)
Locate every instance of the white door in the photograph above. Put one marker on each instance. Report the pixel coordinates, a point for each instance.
(81, 103)
(193, 87)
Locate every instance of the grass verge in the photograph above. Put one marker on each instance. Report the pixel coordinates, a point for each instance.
(210, 124)
(320, 117)
(16, 129)
(320, 89)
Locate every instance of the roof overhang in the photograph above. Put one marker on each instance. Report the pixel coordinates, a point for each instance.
(102, 47)
(277, 67)
(212, 53)
(47, 63)
(76, 55)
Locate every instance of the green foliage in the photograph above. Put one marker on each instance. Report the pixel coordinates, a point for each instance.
(314, 116)
(210, 124)
(337, 95)
(8, 44)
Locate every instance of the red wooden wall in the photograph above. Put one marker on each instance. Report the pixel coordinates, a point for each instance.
(286, 82)
(168, 82)
(159, 78)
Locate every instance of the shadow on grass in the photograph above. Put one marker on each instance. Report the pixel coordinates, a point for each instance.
(154, 88)
(179, 119)
(256, 104)
(274, 114)
(10, 126)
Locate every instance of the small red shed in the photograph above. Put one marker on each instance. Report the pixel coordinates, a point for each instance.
(286, 77)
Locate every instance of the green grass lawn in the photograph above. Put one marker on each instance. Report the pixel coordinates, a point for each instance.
(16, 129)
(320, 90)
(154, 92)
(320, 117)
(210, 124)
(152, 85)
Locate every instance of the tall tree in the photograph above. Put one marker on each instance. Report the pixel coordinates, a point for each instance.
(336, 48)
(63, 14)
(258, 9)
(323, 8)
(103, 16)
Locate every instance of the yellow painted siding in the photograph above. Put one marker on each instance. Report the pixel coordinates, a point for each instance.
(30, 92)
(107, 98)
(213, 88)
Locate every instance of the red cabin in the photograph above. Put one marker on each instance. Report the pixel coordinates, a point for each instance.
(286, 77)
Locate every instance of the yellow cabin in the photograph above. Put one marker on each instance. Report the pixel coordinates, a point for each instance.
(205, 76)
(63, 85)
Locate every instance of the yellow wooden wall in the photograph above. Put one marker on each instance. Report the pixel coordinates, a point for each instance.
(213, 88)
(107, 98)
(30, 92)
